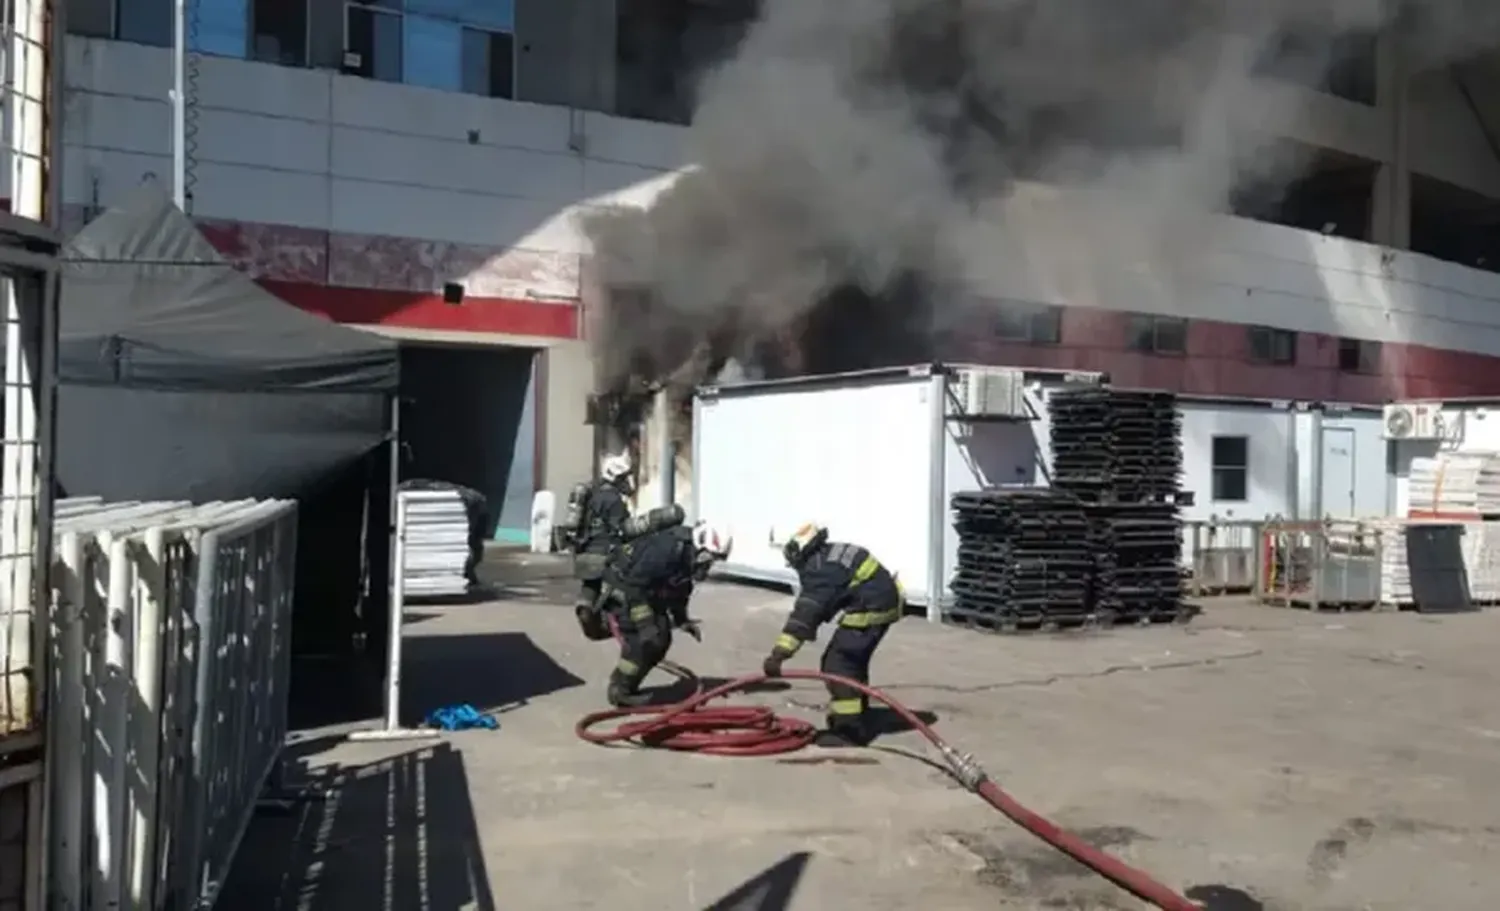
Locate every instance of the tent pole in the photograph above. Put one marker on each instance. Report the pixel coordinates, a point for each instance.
(179, 103)
(390, 728)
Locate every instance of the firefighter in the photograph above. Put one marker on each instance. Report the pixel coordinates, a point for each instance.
(847, 582)
(647, 586)
(601, 514)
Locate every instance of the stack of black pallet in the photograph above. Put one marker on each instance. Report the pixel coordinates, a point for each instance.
(1024, 559)
(1120, 453)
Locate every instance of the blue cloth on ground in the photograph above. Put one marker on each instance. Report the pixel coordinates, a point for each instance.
(461, 717)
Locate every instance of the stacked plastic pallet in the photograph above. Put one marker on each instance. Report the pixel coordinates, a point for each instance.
(1120, 453)
(1024, 560)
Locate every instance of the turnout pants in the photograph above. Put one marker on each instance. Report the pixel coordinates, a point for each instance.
(848, 655)
(588, 569)
(645, 639)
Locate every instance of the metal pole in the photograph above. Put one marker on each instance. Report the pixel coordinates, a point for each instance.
(391, 728)
(1315, 463)
(397, 607)
(179, 103)
(1293, 469)
(937, 494)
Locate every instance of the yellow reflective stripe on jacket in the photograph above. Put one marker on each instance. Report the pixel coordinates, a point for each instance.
(626, 666)
(869, 618)
(866, 619)
(846, 707)
(641, 613)
(865, 571)
(788, 643)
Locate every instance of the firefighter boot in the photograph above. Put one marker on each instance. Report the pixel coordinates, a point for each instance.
(625, 686)
(845, 729)
(623, 696)
(592, 622)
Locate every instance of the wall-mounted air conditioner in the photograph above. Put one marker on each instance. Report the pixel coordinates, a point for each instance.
(1410, 421)
(990, 392)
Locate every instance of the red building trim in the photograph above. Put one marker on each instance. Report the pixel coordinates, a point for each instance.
(305, 267)
(416, 310)
(1217, 362)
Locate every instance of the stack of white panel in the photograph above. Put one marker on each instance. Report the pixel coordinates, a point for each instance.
(435, 543)
(1446, 485)
(1481, 555)
(1487, 493)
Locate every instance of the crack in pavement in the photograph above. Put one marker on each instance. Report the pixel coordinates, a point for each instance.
(1089, 675)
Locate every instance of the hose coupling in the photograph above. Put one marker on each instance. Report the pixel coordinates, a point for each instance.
(965, 768)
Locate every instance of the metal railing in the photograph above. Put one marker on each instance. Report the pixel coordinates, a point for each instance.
(1222, 557)
(1330, 564)
(171, 641)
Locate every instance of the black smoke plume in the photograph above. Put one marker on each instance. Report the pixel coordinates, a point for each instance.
(854, 159)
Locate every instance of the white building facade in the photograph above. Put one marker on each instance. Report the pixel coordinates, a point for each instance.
(358, 157)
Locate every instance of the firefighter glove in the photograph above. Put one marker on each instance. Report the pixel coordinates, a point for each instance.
(772, 665)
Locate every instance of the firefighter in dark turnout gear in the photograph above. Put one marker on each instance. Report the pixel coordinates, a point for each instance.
(601, 517)
(647, 586)
(840, 581)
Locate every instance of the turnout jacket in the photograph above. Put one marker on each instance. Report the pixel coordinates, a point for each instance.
(841, 579)
(655, 569)
(605, 513)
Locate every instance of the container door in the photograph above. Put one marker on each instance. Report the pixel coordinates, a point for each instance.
(1338, 472)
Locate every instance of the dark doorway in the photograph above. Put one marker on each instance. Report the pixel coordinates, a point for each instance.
(468, 416)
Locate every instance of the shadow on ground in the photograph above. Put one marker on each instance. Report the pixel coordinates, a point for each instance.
(394, 834)
(398, 834)
(771, 890)
(494, 672)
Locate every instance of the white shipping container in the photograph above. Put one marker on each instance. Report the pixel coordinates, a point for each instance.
(875, 456)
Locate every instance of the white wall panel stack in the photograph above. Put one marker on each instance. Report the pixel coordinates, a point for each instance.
(1481, 556)
(435, 543)
(1455, 484)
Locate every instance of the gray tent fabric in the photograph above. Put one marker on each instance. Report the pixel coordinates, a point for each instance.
(149, 303)
(181, 378)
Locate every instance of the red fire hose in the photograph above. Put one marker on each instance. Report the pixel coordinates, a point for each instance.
(689, 726)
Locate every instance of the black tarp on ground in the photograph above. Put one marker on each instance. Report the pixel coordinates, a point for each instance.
(181, 378)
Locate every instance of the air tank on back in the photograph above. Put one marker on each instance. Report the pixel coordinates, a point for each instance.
(662, 517)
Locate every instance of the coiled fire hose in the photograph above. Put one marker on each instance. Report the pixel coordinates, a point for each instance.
(691, 726)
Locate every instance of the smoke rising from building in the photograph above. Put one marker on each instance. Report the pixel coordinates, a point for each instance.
(855, 159)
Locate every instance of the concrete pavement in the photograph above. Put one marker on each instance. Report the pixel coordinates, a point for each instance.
(1260, 757)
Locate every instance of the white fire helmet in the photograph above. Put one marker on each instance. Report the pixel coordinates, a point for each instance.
(712, 541)
(808, 537)
(615, 468)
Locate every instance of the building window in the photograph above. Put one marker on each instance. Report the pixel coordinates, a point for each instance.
(1231, 469)
(664, 47)
(1157, 334)
(1359, 356)
(489, 63)
(1272, 346)
(278, 32)
(144, 22)
(219, 27)
(457, 45)
(1034, 325)
(372, 43)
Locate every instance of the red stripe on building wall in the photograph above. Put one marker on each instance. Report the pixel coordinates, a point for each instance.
(416, 310)
(1218, 362)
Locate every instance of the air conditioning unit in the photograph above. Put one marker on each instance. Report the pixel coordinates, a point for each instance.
(991, 392)
(1412, 422)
